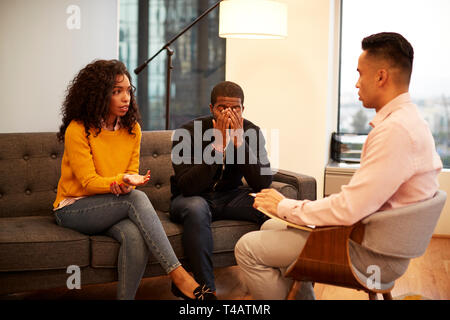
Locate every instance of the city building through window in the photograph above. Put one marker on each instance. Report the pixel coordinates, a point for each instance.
(198, 60)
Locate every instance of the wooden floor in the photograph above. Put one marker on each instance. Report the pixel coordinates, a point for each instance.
(427, 276)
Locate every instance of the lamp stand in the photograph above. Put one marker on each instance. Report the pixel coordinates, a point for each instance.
(168, 80)
(170, 53)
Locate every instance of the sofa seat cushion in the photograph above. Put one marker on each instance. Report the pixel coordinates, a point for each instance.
(38, 243)
(226, 233)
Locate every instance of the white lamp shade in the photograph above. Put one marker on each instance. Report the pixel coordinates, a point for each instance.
(253, 19)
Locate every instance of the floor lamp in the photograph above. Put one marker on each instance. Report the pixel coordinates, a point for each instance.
(245, 19)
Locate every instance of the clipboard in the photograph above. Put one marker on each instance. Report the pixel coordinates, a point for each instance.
(290, 224)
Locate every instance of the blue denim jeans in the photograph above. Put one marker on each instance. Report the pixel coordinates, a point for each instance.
(131, 220)
(196, 214)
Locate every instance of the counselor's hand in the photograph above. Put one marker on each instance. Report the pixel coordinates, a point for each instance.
(136, 180)
(268, 200)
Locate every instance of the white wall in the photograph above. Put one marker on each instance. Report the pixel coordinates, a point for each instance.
(288, 85)
(39, 55)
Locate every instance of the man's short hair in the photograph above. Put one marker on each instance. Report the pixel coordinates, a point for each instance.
(227, 89)
(392, 47)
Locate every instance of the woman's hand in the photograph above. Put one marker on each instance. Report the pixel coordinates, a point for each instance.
(119, 189)
(268, 200)
(136, 179)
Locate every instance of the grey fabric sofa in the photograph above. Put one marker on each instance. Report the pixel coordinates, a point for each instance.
(35, 252)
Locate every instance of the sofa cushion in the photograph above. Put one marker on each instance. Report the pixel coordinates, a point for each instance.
(30, 166)
(156, 148)
(38, 243)
(226, 233)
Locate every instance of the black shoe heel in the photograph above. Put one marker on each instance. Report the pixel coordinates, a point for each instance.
(200, 293)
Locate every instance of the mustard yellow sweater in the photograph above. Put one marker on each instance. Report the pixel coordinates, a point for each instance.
(90, 165)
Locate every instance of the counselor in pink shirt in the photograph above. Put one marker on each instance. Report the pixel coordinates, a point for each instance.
(399, 166)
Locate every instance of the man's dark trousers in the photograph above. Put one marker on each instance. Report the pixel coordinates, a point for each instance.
(196, 214)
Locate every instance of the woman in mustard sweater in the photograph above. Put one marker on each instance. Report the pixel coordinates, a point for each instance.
(99, 173)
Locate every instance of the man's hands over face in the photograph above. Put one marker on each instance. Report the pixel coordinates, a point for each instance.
(236, 127)
(221, 124)
(229, 124)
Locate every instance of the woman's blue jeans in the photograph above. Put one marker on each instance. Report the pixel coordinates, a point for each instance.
(131, 220)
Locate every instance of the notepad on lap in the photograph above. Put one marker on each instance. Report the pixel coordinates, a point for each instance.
(293, 225)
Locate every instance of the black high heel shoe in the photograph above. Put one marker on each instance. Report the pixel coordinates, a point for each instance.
(202, 292)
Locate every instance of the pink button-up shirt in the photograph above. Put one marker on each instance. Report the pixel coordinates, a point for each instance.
(399, 166)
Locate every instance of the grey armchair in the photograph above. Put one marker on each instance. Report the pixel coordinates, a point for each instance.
(399, 234)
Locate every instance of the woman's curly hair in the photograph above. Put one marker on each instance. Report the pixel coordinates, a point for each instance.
(89, 94)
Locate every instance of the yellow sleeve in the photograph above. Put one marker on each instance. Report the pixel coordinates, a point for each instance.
(81, 162)
(133, 166)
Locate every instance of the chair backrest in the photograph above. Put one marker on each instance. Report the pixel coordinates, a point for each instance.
(404, 232)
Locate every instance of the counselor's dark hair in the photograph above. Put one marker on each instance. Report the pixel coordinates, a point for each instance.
(392, 47)
(88, 97)
(227, 89)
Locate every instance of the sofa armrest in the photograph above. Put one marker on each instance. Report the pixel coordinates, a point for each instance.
(306, 185)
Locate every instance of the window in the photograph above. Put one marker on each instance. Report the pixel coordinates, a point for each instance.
(426, 26)
(199, 58)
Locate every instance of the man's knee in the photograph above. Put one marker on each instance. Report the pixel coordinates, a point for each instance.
(192, 208)
(273, 224)
(194, 204)
(242, 250)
